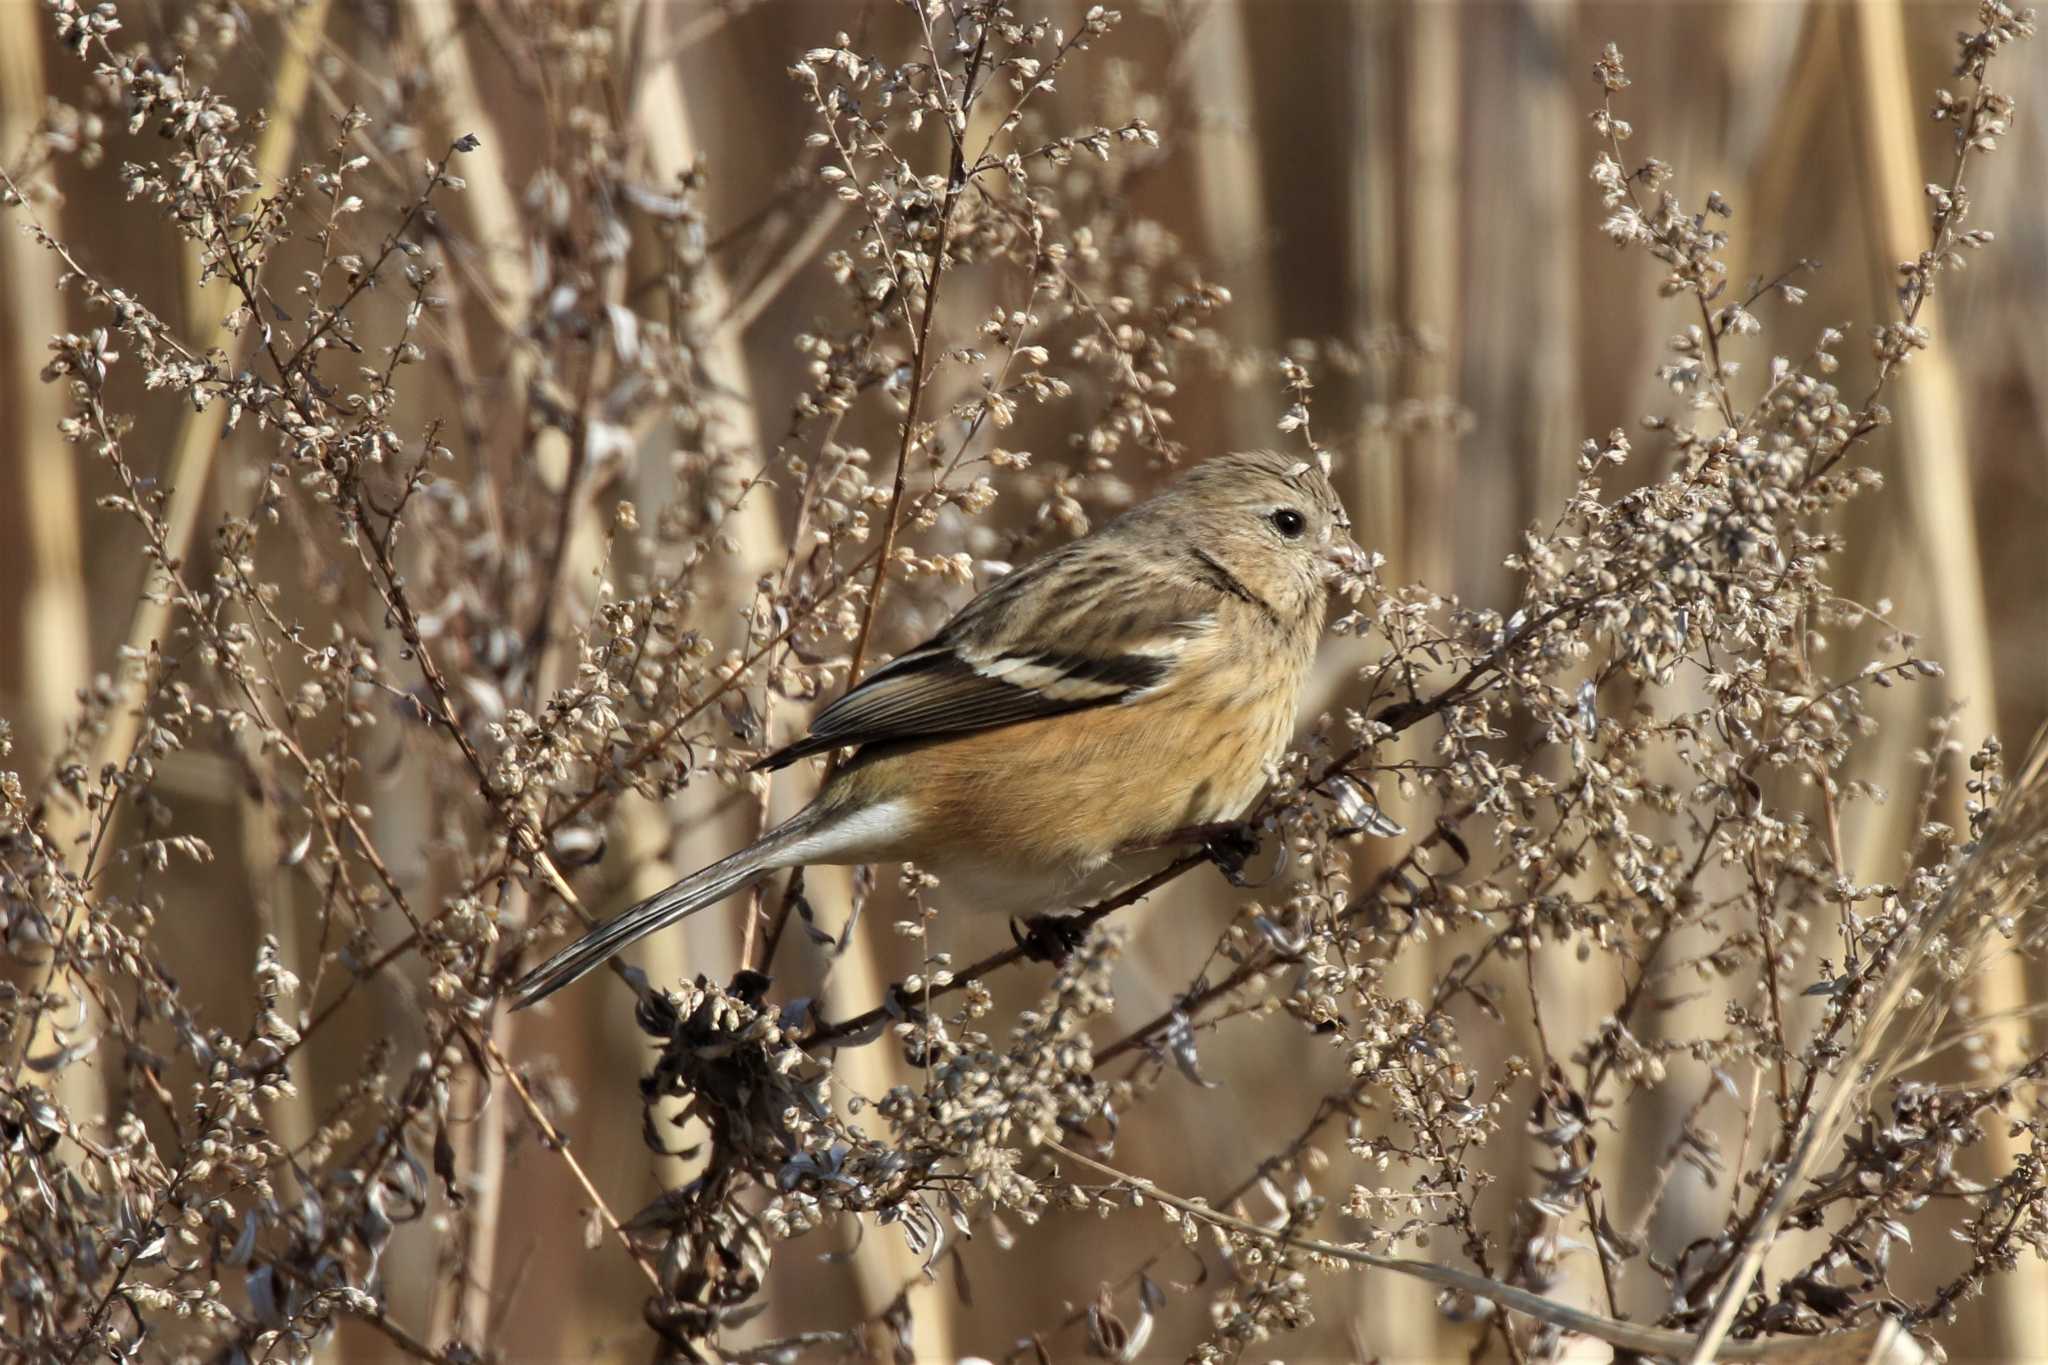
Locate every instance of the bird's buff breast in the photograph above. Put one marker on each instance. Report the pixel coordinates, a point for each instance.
(1017, 817)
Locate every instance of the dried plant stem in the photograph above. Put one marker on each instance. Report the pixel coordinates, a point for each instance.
(1414, 168)
(1783, 170)
(1382, 509)
(483, 1206)
(489, 203)
(746, 310)
(560, 1143)
(270, 892)
(1230, 184)
(881, 1268)
(1934, 432)
(1388, 512)
(571, 808)
(671, 143)
(381, 1323)
(376, 555)
(52, 655)
(1523, 350)
(491, 200)
(1934, 444)
(1630, 1336)
(53, 658)
(1977, 889)
(883, 1265)
(1432, 175)
(189, 476)
(921, 359)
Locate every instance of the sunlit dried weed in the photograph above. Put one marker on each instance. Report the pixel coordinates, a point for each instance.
(1644, 755)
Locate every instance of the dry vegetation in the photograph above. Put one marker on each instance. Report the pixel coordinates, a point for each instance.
(471, 559)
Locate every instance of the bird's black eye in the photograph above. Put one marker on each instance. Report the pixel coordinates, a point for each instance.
(1287, 521)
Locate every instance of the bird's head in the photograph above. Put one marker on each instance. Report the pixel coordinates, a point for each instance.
(1272, 521)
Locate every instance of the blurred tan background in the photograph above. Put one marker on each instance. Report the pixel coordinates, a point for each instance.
(1349, 168)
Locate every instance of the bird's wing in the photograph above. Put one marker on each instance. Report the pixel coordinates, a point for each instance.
(1092, 627)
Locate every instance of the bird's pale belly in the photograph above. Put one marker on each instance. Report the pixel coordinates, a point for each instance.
(971, 883)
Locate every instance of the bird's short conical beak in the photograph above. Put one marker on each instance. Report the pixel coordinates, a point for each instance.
(1342, 555)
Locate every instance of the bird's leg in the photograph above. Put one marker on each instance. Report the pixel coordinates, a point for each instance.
(1050, 939)
(1230, 848)
(1229, 845)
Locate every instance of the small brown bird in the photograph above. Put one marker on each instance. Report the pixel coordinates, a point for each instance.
(1138, 682)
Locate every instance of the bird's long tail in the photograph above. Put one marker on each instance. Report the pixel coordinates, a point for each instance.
(686, 897)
